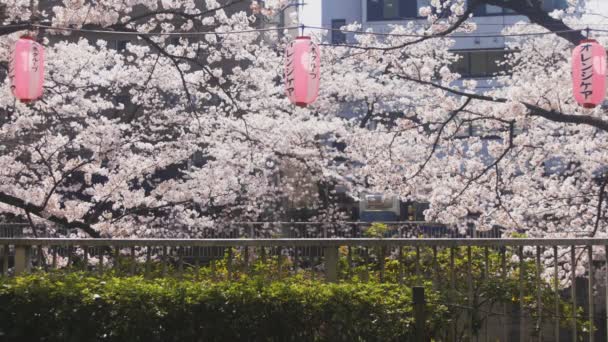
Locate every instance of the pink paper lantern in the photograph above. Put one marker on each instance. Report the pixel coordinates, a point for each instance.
(302, 71)
(589, 73)
(27, 69)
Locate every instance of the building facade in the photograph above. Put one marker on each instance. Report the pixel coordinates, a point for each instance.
(479, 54)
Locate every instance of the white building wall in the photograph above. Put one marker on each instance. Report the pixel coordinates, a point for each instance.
(311, 14)
(322, 12)
(350, 10)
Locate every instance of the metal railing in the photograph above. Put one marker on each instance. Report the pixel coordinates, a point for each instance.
(386, 259)
(12, 229)
(291, 229)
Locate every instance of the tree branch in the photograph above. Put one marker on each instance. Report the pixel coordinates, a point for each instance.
(40, 212)
(534, 110)
(438, 137)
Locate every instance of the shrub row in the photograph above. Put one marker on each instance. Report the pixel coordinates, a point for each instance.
(80, 307)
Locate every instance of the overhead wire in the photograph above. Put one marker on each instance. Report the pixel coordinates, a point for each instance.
(47, 27)
(320, 28)
(181, 33)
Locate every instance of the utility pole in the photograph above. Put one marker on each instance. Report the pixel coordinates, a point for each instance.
(282, 16)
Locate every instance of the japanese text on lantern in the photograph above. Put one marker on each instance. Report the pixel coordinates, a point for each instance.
(35, 58)
(290, 70)
(312, 61)
(589, 73)
(586, 85)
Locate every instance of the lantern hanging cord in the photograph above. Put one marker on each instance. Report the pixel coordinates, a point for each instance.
(34, 17)
(197, 33)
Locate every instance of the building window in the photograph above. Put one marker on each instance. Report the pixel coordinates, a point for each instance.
(441, 12)
(550, 5)
(484, 10)
(547, 5)
(484, 63)
(378, 10)
(119, 45)
(122, 100)
(338, 37)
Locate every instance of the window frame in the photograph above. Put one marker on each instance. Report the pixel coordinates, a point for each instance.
(366, 5)
(336, 24)
(504, 11)
(468, 57)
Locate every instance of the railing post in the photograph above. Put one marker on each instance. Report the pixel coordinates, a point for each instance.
(590, 304)
(573, 289)
(331, 263)
(436, 280)
(470, 294)
(22, 259)
(229, 263)
(557, 297)
(401, 265)
(246, 258)
(417, 270)
(522, 311)
(117, 259)
(197, 262)
(164, 262)
(503, 275)
(419, 319)
(606, 289)
(382, 253)
(295, 259)
(69, 249)
(41, 262)
(148, 266)
(133, 261)
(54, 260)
(453, 325)
(85, 258)
(539, 303)
(180, 261)
(100, 265)
(5, 252)
(280, 260)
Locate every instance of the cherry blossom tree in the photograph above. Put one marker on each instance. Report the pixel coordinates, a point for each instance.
(179, 133)
(166, 138)
(537, 163)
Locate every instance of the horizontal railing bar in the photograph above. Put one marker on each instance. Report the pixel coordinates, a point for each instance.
(358, 223)
(325, 242)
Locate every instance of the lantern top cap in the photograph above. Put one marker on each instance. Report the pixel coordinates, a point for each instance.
(588, 40)
(28, 37)
(303, 37)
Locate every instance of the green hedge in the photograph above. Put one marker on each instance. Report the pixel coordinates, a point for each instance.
(79, 307)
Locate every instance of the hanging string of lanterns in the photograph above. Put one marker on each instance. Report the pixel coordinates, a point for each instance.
(26, 69)
(302, 71)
